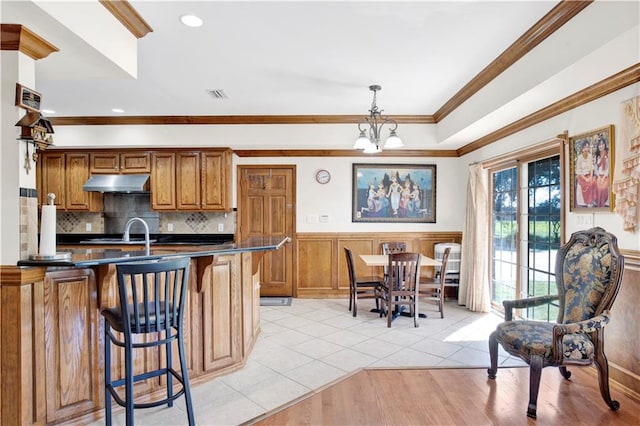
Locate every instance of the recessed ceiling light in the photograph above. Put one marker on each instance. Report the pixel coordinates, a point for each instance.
(191, 21)
(48, 111)
(117, 110)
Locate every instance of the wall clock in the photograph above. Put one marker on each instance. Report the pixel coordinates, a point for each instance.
(323, 176)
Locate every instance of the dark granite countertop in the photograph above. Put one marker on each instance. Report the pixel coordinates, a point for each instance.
(102, 256)
(77, 239)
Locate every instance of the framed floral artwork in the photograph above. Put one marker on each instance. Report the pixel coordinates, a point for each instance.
(591, 157)
(394, 193)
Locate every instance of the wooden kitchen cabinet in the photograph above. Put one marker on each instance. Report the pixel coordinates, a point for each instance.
(221, 314)
(163, 181)
(64, 174)
(74, 384)
(120, 162)
(51, 170)
(250, 303)
(216, 181)
(201, 180)
(188, 181)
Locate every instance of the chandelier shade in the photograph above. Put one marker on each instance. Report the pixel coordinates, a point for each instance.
(369, 139)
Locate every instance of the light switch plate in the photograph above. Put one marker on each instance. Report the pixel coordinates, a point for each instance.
(584, 220)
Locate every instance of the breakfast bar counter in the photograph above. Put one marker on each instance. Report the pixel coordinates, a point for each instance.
(89, 255)
(52, 343)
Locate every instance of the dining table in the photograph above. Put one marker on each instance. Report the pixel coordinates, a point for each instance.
(383, 260)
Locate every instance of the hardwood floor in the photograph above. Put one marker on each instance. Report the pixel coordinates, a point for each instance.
(456, 397)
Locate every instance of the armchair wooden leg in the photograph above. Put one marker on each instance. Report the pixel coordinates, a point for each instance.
(565, 373)
(535, 372)
(603, 377)
(493, 354)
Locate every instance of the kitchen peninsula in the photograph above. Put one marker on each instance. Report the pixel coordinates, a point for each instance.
(53, 369)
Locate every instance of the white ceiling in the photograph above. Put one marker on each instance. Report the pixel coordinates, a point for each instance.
(297, 57)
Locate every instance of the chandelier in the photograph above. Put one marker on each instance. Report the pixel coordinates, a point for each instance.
(369, 141)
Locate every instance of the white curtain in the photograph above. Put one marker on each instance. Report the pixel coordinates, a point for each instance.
(473, 291)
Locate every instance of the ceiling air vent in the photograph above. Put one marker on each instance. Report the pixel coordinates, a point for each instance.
(217, 94)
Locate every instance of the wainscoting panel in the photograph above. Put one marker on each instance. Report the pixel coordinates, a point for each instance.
(314, 266)
(622, 335)
(321, 268)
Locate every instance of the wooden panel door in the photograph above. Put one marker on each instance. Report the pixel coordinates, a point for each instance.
(53, 180)
(163, 181)
(74, 377)
(266, 208)
(188, 180)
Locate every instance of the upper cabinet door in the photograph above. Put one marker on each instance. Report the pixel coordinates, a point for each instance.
(112, 162)
(53, 179)
(216, 181)
(163, 181)
(104, 162)
(188, 181)
(77, 173)
(135, 162)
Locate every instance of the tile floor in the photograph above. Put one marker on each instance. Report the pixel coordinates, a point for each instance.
(313, 342)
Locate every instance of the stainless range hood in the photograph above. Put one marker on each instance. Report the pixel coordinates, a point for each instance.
(116, 183)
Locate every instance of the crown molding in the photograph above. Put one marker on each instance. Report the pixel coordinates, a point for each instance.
(229, 119)
(602, 88)
(128, 16)
(343, 153)
(19, 37)
(547, 25)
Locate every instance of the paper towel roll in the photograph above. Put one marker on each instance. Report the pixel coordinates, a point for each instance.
(48, 231)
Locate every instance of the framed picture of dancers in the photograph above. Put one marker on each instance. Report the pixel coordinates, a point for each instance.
(394, 193)
(591, 159)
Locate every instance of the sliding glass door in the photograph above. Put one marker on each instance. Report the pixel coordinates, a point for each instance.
(526, 212)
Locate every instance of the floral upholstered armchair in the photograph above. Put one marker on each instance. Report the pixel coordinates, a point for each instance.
(588, 275)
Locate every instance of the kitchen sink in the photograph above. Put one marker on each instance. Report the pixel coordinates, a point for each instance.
(115, 241)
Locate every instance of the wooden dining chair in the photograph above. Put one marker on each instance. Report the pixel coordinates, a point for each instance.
(433, 288)
(392, 247)
(401, 287)
(365, 287)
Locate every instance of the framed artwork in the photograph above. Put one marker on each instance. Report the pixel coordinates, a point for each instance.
(394, 193)
(591, 156)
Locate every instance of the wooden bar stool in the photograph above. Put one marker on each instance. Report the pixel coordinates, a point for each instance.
(151, 298)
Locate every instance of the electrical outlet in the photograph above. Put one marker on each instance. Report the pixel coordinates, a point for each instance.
(220, 227)
(87, 227)
(170, 227)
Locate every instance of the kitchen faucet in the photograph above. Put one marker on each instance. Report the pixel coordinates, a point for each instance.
(127, 226)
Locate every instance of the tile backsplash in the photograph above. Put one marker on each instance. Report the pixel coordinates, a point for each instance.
(198, 223)
(170, 223)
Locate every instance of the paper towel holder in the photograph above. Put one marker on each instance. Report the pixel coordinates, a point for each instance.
(63, 255)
